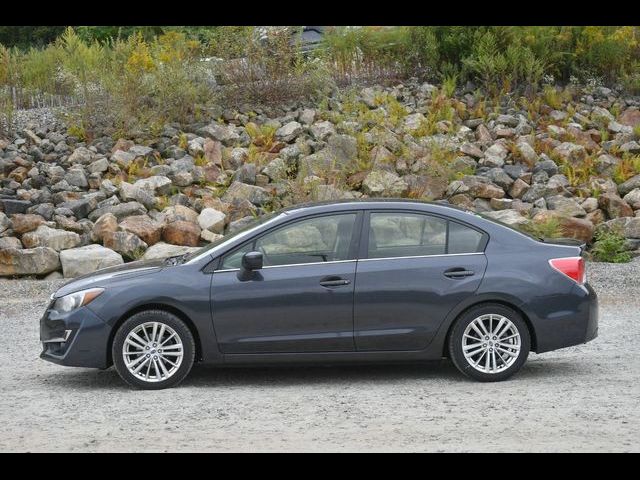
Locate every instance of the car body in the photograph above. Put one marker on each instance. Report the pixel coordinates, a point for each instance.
(395, 297)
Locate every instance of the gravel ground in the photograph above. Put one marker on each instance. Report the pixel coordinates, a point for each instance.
(583, 398)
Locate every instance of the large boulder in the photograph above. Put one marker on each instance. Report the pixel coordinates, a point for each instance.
(5, 223)
(165, 250)
(509, 217)
(289, 131)
(55, 239)
(32, 261)
(83, 260)
(633, 198)
(131, 192)
(212, 220)
(181, 232)
(614, 206)
(179, 212)
(627, 226)
(144, 227)
(125, 243)
(107, 223)
(25, 222)
(156, 184)
(381, 183)
(626, 187)
(241, 191)
(570, 152)
(566, 206)
(341, 152)
(120, 210)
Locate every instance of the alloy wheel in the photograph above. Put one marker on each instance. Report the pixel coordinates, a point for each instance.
(153, 352)
(491, 343)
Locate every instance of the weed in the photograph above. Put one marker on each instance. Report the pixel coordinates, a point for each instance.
(609, 246)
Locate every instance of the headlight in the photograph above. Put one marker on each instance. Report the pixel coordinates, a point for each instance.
(76, 300)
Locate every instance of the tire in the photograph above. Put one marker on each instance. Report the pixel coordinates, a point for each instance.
(506, 359)
(133, 344)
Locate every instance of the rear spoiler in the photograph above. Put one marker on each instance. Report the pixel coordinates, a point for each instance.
(572, 242)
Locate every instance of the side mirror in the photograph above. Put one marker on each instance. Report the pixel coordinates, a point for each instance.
(252, 261)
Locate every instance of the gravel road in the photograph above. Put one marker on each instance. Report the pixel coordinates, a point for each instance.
(584, 398)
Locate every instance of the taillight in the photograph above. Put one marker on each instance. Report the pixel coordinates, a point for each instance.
(572, 267)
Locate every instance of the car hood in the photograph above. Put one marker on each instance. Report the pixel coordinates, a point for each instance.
(102, 277)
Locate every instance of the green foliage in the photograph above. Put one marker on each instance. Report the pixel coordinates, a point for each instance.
(609, 246)
(549, 228)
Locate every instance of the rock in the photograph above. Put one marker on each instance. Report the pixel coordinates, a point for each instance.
(509, 217)
(45, 236)
(527, 153)
(508, 120)
(499, 177)
(614, 206)
(570, 152)
(322, 130)
(307, 116)
(121, 210)
(518, 188)
(413, 121)
(181, 232)
(212, 220)
(570, 227)
(157, 184)
(481, 187)
(631, 184)
(14, 206)
(125, 243)
(630, 147)
(165, 250)
(25, 222)
(222, 133)
(630, 117)
(380, 183)
(32, 261)
(567, 207)
(632, 198)
(81, 155)
(213, 152)
(627, 226)
(83, 260)
(242, 191)
(123, 158)
(276, 169)
(471, 150)
(122, 144)
(606, 164)
(99, 166)
(5, 223)
(589, 204)
(179, 212)
(141, 195)
(494, 156)
(107, 223)
(289, 131)
(149, 231)
(10, 242)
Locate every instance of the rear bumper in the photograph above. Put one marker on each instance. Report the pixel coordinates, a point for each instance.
(75, 339)
(572, 320)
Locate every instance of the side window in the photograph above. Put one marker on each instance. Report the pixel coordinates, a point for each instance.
(234, 258)
(397, 234)
(463, 239)
(318, 239)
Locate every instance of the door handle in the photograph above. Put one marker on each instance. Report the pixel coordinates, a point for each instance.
(458, 273)
(334, 282)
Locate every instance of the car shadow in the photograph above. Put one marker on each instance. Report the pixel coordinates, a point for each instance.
(285, 376)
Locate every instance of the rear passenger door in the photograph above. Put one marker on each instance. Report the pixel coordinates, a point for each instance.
(413, 269)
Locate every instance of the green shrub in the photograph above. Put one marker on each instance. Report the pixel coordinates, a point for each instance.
(609, 247)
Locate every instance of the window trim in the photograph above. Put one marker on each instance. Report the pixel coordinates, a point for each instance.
(353, 244)
(366, 225)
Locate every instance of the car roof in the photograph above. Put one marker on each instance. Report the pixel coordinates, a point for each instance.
(376, 203)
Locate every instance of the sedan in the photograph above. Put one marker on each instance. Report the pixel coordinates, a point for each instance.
(355, 281)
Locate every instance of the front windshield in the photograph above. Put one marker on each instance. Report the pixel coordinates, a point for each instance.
(229, 236)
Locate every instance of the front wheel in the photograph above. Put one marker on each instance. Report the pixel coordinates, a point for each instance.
(489, 343)
(153, 350)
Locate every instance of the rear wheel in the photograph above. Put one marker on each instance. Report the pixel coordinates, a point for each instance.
(489, 342)
(153, 350)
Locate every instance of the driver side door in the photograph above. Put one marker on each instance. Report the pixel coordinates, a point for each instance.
(301, 300)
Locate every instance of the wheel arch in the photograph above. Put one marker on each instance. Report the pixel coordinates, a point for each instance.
(505, 303)
(155, 306)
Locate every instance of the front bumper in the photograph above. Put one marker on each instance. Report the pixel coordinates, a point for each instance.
(77, 339)
(571, 320)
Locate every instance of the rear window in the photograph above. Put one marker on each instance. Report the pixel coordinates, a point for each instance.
(398, 234)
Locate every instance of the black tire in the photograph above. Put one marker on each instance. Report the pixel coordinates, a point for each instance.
(162, 317)
(456, 345)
